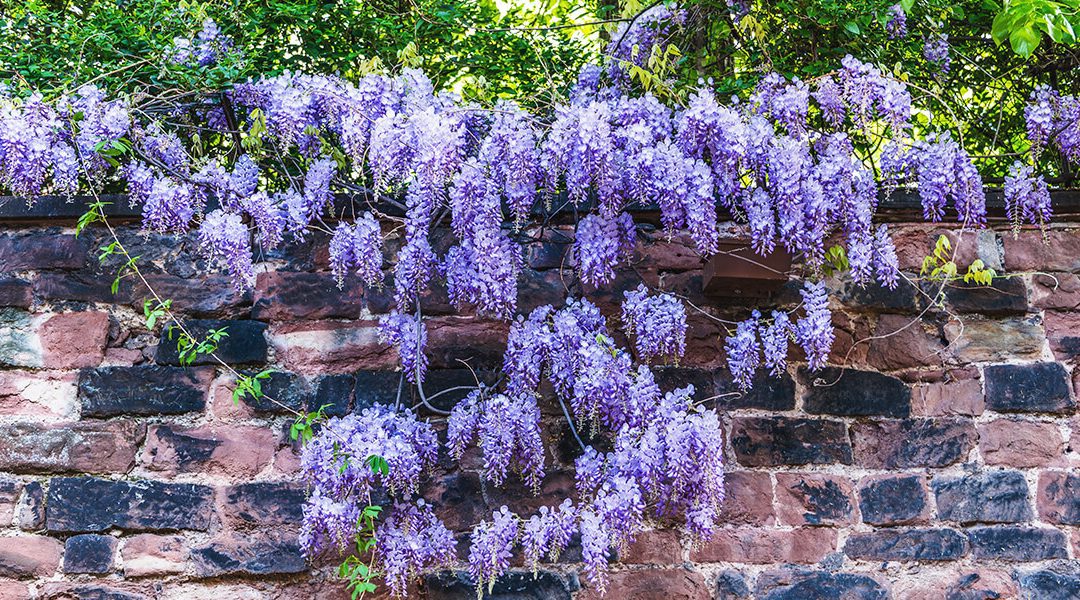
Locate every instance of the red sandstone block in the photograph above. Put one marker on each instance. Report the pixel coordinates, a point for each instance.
(1033, 250)
(946, 398)
(287, 461)
(1020, 443)
(205, 295)
(10, 490)
(910, 443)
(1059, 497)
(1063, 331)
(814, 499)
(979, 339)
(283, 296)
(81, 447)
(915, 241)
(765, 546)
(13, 590)
(263, 552)
(150, 554)
(894, 499)
(322, 347)
(676, 254)
(928, 583)
(481, 342)
(652, 584)
(38, 394)
(240, 452)
(1055, 291)
(26, 556)
(704, 342)
(73, 340)
(41, 250)
(656, 547)
(749, 498)
(903, 342)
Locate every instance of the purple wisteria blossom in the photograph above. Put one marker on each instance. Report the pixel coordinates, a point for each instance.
(600, 244)
(492, 547)
(936, 51)
(657, 324)
(814, 332)
(744, 351)
(896, 26)
(224, 238)
(1027, 198)
(409, 335)
(357, 246)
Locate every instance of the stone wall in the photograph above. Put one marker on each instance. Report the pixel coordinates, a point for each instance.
(938, 464)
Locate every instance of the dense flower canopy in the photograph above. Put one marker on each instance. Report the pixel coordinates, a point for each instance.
(801, 164)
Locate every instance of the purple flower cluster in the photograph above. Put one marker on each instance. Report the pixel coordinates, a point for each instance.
(896, 26)
(492, 548)
(483, 269)
(744, 352)
(1054, 119)
(508, 433)
(814, 332)
(946, 173)
(413, 541)
(546, 534)
(602, 242)
(756, 342)
(224, 238)
(335, 465)
(207, 49)
(511, 155)
(656, 323)
(409, 335)
(775, 338)
(868, 91)
(632, 43)
(358, 246)
(1026, 196)
(936, 51)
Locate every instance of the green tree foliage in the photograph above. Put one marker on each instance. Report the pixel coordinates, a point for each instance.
(476, 46)
(531, 50)
(980, 97)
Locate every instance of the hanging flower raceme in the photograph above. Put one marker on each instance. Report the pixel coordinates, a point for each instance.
(896, 26)
(492, 548)
(357, 246)
(936, 51)
(1027, 198)
(507, 431)
(600, 244)
(744, 352)
(657, 324)
(814, 332)
(413, 541)
(224, 238)
(337, 465)
(511, 154)
(945, 173)
(409, 335)
(1054, 120)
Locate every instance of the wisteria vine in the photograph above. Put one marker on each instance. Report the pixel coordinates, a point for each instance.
(789, 161)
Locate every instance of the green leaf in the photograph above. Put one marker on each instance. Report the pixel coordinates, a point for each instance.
(1024, 40)
(1001, 27)
(378, 464)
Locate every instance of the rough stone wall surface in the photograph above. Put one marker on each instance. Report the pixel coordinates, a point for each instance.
(938, 463)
